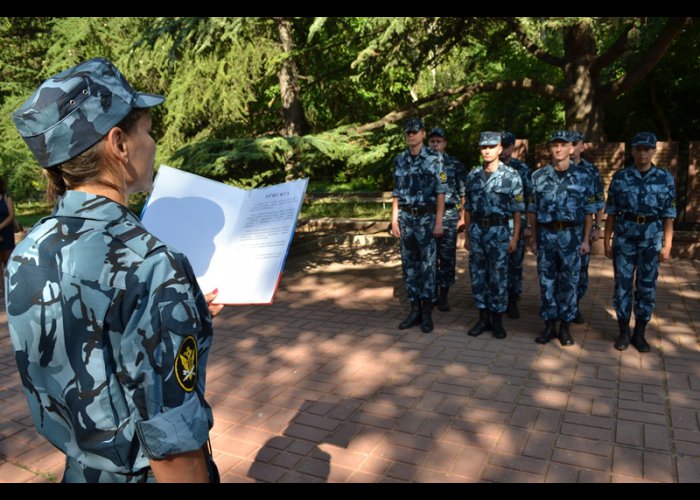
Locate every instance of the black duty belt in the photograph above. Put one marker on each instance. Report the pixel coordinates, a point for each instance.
(558, 225)
(490, 220)
(639, 219)
(418, 210)
(450, 205)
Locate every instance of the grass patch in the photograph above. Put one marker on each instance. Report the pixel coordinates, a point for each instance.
(346, 210)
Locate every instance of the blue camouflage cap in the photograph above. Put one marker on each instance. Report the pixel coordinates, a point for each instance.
(490, 139)
(73, 110)
(438, 131)
(575, 135)
(413, 125)
(507, 139)
(647, 139)
(561, 135)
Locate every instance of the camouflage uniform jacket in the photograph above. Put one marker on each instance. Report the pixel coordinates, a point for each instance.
(419, 179)
(525, 176)
(456, 180)
(501, 194)
(568, 198)
(597, 182)
(111, 335)
(651, 194)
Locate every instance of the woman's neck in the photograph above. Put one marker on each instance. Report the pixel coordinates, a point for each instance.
(106, 191)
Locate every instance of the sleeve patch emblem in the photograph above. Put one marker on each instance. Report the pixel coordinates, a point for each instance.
(186, 366)
(519, 197)
(443, 176)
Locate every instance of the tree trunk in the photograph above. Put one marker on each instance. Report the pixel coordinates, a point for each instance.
(289, 91)
(584, 110)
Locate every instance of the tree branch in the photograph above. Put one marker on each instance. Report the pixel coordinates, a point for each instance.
(648, 60)
(459, 95)
(613, 52)
(531, 46)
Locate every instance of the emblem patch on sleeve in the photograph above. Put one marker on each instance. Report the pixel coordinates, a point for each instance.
(519, 197)
(443, 176)
(186, 364)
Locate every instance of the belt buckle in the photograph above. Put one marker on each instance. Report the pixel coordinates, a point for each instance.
(486, 222)
(558, 225)
(641, 219)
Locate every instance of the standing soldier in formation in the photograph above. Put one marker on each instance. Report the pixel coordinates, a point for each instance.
(560, 207)
(641, 207)
(453, 219)
(577, 143)
(416, 217)
(515, 259)
(494, 197)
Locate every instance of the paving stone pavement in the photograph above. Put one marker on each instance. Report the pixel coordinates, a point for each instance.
(322, 386)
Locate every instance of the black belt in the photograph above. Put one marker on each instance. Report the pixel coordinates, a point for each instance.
(559, 225)
(639, 219)
(418, 210)
(491, 220)
(450, 205)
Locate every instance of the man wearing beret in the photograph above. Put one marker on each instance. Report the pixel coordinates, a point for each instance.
(416, 218)
(560, 209)
(515, 258)
(641, 207)
(453, 219)
(492, 210)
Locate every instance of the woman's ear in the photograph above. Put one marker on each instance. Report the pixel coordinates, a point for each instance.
(115, 147)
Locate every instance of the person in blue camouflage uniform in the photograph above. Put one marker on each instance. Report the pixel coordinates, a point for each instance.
(110, 330)
(416, 218)
(560, 209)
(493, 202)
(516, 257)
(641, 207)
(453, 219)
(577, 144)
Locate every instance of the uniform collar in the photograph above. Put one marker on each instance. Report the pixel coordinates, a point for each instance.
(90, 206)
(653, 170)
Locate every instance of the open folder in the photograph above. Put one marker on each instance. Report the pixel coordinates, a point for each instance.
(237, 240)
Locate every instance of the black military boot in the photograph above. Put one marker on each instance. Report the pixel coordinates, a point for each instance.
(482, 325)
(623, 341)
(442, 304)
(579, 317)
(512, 310)
(426, 324)
(413, 318)
(549, 332)
(638, 339)
(565, 337)
(498, 331)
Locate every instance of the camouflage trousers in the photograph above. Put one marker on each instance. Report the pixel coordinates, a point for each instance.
(418, 255)
(558, 268)
(488, 266)
(515, 269)
(583, 277)
(630, 255)
(75, 472)
(447, 249)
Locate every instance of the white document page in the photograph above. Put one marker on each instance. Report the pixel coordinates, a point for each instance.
(237, 240)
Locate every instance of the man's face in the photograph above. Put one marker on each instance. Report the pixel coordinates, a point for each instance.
(507, 152)
(560, 150)
(643, 154)
(490, 153)
(577, 148)
(437, 143)
(415, 138)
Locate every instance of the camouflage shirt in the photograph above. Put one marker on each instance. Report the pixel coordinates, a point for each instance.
(651, 194)
(456, 178)
(567, 198)
(111, 335)
(418, 179)
(525, 176)
(597, 183)
(501, 194)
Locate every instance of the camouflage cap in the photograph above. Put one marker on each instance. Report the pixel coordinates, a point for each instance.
(647, 139)
(561, 135)
(490, 139)
(575, 135)
(507, 139)
(438, 131)
(413, 125)
(73, 110)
